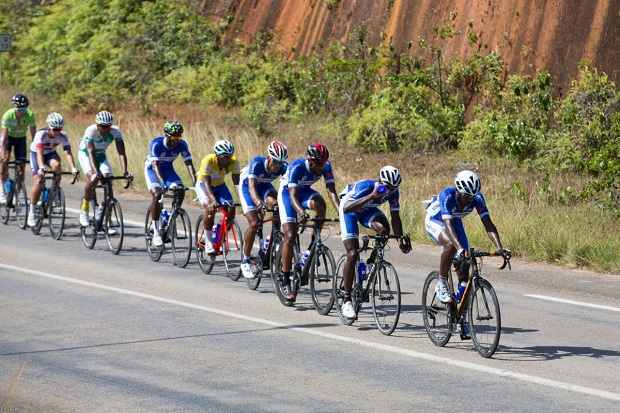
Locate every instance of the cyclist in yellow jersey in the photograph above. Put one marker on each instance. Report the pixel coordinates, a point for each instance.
(15, 124)
(211, 188)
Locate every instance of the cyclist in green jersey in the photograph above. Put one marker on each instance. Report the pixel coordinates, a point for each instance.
(15, 125)
(93, 159)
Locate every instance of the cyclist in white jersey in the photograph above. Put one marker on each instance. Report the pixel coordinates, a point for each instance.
(93, 160)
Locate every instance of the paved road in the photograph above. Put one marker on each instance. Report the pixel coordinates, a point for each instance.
(84, 330)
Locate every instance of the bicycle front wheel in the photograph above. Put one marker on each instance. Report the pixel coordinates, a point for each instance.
(484, 318)
(205, 261)
(338, 292)
(436, 315)
(5, 210)
(113, 226)
(181, 234)
(56, 212)
(89, 233)
(322, 277)
(154, 252)
(232, 247)
(21, 205)
(256, 259)
(276, 270)
(386, 298)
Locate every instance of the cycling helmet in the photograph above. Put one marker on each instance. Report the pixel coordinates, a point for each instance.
(390, 176)
(20, 101)
(104, 118)
(55, 120)
(173, 128)
(223, 148)
(277, 151)
(318, 152)
(467, 183)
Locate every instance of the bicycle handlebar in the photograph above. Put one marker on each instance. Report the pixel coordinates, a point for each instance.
(382, 239)
(316, 220)
(505, 254)
(101, 179)
(55, 173)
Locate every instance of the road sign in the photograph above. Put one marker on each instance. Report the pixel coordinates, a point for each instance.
(5, 42)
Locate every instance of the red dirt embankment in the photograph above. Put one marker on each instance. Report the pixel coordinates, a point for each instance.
(531, 35)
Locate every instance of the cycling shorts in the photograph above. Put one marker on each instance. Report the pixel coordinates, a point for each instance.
(246, 200)
(287, 212)
(19, 148)
(434, 227)
(101, 161)
(349, 228)
(34, 164)
(221, 192)
(171, 178)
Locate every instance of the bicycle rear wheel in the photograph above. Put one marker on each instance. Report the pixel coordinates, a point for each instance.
(113, 226)
(256, 260)
(181, 234)
(322, 277)
(338, 292)
(436, 315)
(232, 248)
(38, 216)
(484, 318)
(56, 211)
(153, 251)
(205, 261)
(89, 233)
(21, 205)
(386, 298)
(5, 210)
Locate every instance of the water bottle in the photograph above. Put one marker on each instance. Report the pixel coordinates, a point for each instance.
(9, 183)
(361, 271)
(304, 257)
(46, 193)
(98, 212)
(382, 189)
(460, 290)
(266, 243)
(215, 232)
(165, 216)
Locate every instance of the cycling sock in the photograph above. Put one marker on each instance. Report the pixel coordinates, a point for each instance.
(85, 205)
(286, 277)
(156, 224)
(347, 297)
(443, 279)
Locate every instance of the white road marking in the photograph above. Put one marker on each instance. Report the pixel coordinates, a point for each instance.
(561, 300)
(396, 350)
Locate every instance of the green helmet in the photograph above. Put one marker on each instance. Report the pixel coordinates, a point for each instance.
(173, 128)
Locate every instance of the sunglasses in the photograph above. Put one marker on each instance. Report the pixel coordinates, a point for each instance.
(105, 126)
(317, 162)
(226, 158)
(175, 137)
(56, 129)
(276, 163)
(21, 110)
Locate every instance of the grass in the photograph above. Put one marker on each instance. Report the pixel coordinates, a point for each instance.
(522, 204)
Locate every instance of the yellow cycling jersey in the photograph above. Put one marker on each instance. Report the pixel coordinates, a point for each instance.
(208, 167)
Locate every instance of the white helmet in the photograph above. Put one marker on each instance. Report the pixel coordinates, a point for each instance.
(467, 183)
(223, 148)
(104, 118)
(390, 176)
(277, 151)
(55, 120)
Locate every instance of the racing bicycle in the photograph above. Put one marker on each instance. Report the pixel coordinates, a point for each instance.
(52, 205)
(16, 198)
(264, 249)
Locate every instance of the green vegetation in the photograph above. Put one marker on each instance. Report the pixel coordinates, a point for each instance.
(549, 164)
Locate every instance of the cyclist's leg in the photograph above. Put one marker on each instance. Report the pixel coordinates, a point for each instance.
(377, 221)
(152, 183)
(249, 211)
(313, 200)
(288, 219)
(20, 156)
(35, 192)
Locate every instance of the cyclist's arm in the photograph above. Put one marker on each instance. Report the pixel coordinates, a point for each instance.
(293, 191)
(69, 156)
(190, 168)
(397, 227)
(33, 131)
(90, 148)
(235, 179)
(451, 232)
(40, 157)
(5, 140)
(157, 171)
(492, 231)
(252, 182)
(206, 180)
(355, 204)
(120, 147)
(333, 195)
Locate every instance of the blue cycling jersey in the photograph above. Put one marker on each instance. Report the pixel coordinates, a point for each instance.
(444, 205)
(299, 175)
(257, 169)
(166, 156)
(363, 188)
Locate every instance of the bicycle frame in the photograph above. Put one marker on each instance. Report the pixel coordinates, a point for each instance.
(105, 182)
(12, 197)
(45, 210)
(224, 209)
(317, 244)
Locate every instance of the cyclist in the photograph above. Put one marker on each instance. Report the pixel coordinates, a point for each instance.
(258, 193)
(444, 225)
(212, 190)
(360, 204)
(43, 152)
(296, 195)
(15, 125)
(93, 160)
(159, 172)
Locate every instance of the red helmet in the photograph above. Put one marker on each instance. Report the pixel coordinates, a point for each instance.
(277, 151)
(318, 152)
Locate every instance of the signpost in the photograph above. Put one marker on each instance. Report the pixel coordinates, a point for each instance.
(5, 46)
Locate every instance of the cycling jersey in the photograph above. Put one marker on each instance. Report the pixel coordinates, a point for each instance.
(18, 128)
(257, 169)
(101, 142)
(299, 175)
(42, 139)
(209, 167)
(166, 157)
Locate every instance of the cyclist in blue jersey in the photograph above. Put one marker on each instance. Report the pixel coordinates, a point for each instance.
(159, 170)
(296, 195)
(360, 203)
(444, 224)
(257, 193)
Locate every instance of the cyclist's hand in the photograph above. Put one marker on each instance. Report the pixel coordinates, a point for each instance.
(303, 218)
(504, 253)
(262, 208)
(94, 177)
(459, 256)
(128, 176)
(74, 171)
(404, 245)
(379, 190)
(163, 186)
(41, 171)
